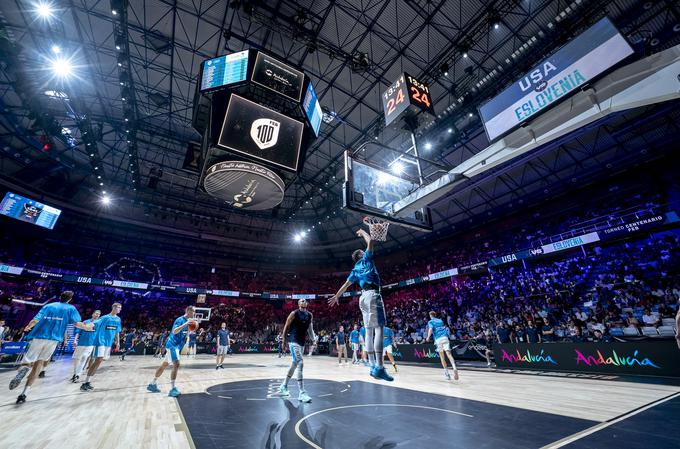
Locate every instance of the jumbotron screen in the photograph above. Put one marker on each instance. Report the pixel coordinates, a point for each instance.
(31, 211)
(224, 70)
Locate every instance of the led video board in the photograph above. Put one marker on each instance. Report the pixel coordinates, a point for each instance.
(28, 210)
(224, 70)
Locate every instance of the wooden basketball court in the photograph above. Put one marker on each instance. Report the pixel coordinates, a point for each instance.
(236, 408)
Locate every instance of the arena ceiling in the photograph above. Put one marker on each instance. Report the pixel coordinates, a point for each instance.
(121, 123)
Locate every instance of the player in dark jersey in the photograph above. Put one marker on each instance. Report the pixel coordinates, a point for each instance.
(298, 326)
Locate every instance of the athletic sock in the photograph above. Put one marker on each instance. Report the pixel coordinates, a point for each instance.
(301, 384)
(285, 382)
(172, 383)
(154, 381)
(26, 390)
(87, 379)
(371, 358)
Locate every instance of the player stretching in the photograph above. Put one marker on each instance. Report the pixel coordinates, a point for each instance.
(441, 340)
(108, 331)
(388, 343)
(174, 345)
(223, 343)
(370, 303)
(47, 330)
(354, 341)
(340, 345)
(84, 344)
(297, 327)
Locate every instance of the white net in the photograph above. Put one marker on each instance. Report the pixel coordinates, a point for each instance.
(377, 228)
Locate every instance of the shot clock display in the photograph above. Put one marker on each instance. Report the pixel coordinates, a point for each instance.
(406, 93)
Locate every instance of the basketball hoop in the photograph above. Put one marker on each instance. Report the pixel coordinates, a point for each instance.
(377, 228)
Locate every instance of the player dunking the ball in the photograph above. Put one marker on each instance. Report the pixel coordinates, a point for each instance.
(371, 304)
(297, 327)
(176, 340)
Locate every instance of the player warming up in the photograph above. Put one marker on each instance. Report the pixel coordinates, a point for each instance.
(298, 326)
(354, 341)
(108, 331)
(47, 330)
(340, 345)
(371, 304)
(84, 344)
(441, 340)
(174, 345)
(388, 344)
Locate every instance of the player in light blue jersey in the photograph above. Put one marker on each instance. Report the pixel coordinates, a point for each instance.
(440, 331)
(108, 331)
(84, 346)
(362, 346)
(355, 342)
(388, 345)
(192, 345)
(46, 331)
(371, 304)
(174, 345)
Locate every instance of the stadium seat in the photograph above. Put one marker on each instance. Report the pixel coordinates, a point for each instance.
(650, 331)
(666, 331)
(631, 332)
(668, 322)
(616, 332)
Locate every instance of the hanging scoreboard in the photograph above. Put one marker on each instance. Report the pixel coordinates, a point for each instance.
(406, 94)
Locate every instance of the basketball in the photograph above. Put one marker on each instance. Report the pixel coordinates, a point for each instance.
(193, 325)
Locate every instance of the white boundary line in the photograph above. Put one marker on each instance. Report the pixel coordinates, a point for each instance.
(604, 425)
(315, 446)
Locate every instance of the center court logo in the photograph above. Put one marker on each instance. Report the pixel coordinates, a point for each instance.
(614, 359)
(527, 357)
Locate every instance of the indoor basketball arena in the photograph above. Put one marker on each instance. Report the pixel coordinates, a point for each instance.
(332, 224)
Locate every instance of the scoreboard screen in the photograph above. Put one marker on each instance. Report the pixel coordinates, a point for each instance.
(419, 94)
(224, 70)
(31, 211)
(312, 109)
(584, 58)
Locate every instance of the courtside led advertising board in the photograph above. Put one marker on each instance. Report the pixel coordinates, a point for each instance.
(586, 57)
(31, 211)
(224, 70)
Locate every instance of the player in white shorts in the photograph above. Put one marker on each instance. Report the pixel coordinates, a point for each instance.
(388, 343)
(47, 330)
(108, 330)
(84, 343)
(441, 340)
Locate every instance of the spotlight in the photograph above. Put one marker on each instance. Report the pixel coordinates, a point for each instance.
(56, 49)
(114, 12)
(397, 168)
(106, 200)
(61, 67)
(298, 238)
(465, 55)
(428, 146)
(495, 26)
(470, 114)
(45, 10)
(450, 130)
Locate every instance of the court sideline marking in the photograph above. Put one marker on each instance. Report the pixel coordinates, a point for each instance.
(596, 428)
(315, 446)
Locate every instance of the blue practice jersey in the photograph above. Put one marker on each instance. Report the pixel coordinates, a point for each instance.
(86, 338)
(177, 340)
(107, 328)
(128, 339)
(354, 336)
(52, 321)
(439, 330)
(223, 337)
(388, 336)
(192, 337)
(364, 271)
